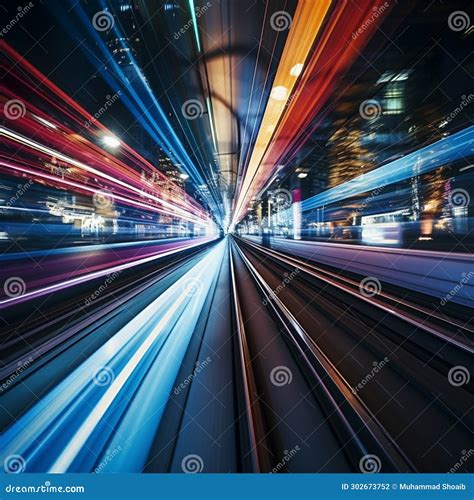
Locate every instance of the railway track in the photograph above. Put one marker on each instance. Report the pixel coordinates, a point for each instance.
(350, 337)
(315, 404)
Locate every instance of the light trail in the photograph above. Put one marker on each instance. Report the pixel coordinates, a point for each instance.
(428, 158)
(147, 351)
(304, 30)
(141, 99)
(335, 51)
(97, 274)
(113, 180)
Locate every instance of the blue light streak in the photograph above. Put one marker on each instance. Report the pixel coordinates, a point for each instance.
(140, 100)
(449, 149)
(141, 362)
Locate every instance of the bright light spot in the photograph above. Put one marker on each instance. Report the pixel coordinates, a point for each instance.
(271, 128)
(184, 176)
(45, 122)
(302, 175)
(279, 93)
(392, 76)
(296, 69)
(111, 141)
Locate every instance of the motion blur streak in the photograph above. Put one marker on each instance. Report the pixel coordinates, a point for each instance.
(236, 236)
(450, 149)
(143, 358)
(305, 28)
(124, 262)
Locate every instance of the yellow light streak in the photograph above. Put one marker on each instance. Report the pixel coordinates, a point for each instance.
(306, 24)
